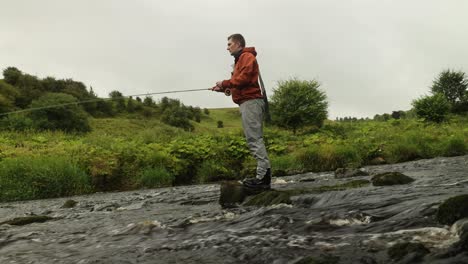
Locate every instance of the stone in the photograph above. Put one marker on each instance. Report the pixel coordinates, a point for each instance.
(390, 178)
(377, 161)
(69, 204)
(233, 193)
(453, 209)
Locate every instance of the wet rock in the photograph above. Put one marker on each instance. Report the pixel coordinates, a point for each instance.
(234, 193)
(453, 209)
(390, 178)
(27, 220)
(270, 197)
(407, 251)
(348, 173)
(69, 204)
(377, 161)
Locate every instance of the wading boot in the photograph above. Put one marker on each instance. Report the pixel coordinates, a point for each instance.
(256, 183)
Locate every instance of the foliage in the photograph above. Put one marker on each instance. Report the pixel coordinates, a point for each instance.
(297, 103)
(16, 122)
(12, 75)
(69, 117)
(433, 108)
(153, 177)
(453, 85)
(120, 153)
(29, 177)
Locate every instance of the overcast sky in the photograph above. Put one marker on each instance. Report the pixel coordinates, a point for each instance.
(370, 56)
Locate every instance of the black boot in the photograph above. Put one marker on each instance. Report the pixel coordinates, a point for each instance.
(257, 183)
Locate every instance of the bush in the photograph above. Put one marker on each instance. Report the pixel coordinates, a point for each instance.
(153, 177)
(455, 146)
(68, 118)
(25, 178)
(412, 146)
(433, 108)
(285, 165)
(296, 104)
(178, 117)
(213, 170)
(329, 157)
(16, 122)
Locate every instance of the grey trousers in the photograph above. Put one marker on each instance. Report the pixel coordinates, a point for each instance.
(252, 112)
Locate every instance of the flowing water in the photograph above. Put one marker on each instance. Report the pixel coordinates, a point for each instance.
(187, 225)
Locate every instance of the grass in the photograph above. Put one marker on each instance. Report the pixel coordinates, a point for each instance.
(122, 153)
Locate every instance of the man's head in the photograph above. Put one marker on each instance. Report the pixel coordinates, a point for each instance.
(236, 43)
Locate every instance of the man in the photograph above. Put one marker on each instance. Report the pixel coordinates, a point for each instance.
(246, 92)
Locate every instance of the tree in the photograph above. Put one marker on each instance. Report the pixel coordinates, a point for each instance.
(11, 75)
(8, 94)
(297, 103)
(433, 108)
(453, 85)
(69, 118)
(178, 117)
(130, 105)
(148, 101)
(396, 114)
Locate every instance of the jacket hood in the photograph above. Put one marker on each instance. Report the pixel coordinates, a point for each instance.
(250, 50)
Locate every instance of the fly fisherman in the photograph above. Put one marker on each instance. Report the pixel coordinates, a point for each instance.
(246, 92)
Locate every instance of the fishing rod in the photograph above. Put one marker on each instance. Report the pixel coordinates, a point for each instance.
(100, 99)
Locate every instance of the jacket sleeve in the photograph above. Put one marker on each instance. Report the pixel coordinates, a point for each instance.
(242, 76)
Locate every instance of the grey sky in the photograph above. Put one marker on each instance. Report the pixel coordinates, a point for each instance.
(371, 56)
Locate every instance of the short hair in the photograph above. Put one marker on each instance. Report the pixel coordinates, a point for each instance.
(238, 38)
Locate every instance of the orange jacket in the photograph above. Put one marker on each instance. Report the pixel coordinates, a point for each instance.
(244, 79)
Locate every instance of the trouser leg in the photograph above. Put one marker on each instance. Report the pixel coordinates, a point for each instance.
(252, 121)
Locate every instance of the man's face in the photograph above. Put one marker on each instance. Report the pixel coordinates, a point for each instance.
(233, 46)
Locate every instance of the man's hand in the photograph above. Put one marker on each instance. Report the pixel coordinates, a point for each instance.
(216, 89)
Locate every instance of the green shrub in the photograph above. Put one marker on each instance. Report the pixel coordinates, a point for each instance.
(455, 146)
(297, 103)
(25, 178)
(329, 157)
(153, 177)
(213, 170)
(16, 122)
(68, 118)
(433, 108)
(285, 165)
(413, 145)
